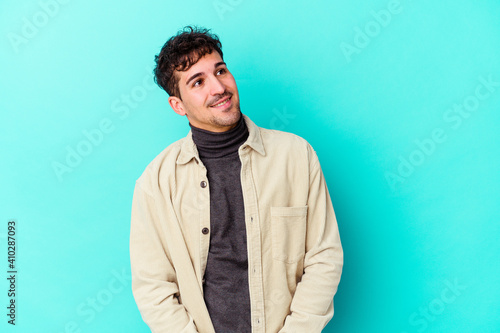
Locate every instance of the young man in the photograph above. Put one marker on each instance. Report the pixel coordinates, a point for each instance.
(233, 229)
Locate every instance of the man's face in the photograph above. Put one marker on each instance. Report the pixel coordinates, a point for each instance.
(209, 95)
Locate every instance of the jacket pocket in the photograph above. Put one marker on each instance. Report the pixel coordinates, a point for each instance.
(288, 226)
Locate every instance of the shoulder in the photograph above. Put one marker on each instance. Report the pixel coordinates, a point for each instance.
(163, 162)
(280, 141)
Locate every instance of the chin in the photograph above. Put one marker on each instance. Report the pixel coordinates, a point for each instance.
(238, 115)
(233, 118)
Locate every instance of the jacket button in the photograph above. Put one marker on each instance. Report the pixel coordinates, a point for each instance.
(203, 184)
(205, 231)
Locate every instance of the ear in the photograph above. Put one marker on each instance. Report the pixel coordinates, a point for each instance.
(177, 105)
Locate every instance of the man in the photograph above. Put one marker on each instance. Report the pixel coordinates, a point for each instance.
(232, 228)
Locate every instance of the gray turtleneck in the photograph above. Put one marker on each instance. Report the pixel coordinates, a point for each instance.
(225, 288)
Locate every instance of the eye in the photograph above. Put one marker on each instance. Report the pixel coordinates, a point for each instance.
(221, 71)
(197, 83)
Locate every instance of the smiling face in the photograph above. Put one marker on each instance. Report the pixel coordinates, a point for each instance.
(208, 95)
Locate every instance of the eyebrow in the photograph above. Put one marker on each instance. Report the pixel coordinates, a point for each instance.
(194, 76)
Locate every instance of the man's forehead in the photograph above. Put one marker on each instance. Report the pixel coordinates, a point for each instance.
(213, 57)
(205, 62)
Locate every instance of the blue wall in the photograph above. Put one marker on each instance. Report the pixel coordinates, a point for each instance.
(399, 98)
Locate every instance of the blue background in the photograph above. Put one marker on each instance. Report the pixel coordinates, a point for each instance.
(374, 86)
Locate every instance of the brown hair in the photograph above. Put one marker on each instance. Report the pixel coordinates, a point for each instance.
(181, 52)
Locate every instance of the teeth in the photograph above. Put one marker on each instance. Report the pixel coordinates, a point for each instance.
(222, 103)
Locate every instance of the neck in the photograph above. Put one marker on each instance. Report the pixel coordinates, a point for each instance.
(219, 144)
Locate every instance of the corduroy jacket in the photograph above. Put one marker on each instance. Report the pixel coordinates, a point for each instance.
(295, 255)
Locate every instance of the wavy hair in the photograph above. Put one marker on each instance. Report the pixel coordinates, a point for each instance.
(181, 52)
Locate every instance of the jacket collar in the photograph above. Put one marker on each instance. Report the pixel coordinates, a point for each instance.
(254, 140)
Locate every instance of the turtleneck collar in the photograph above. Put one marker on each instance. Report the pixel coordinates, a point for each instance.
(219, 144)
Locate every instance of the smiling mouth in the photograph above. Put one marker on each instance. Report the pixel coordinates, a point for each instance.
(221, 103)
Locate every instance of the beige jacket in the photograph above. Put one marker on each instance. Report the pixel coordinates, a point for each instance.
(294, 252)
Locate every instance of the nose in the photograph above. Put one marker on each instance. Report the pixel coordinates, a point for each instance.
(216, 86)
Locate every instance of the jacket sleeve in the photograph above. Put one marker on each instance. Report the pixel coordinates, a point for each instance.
(153, 277)
(312, 304)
